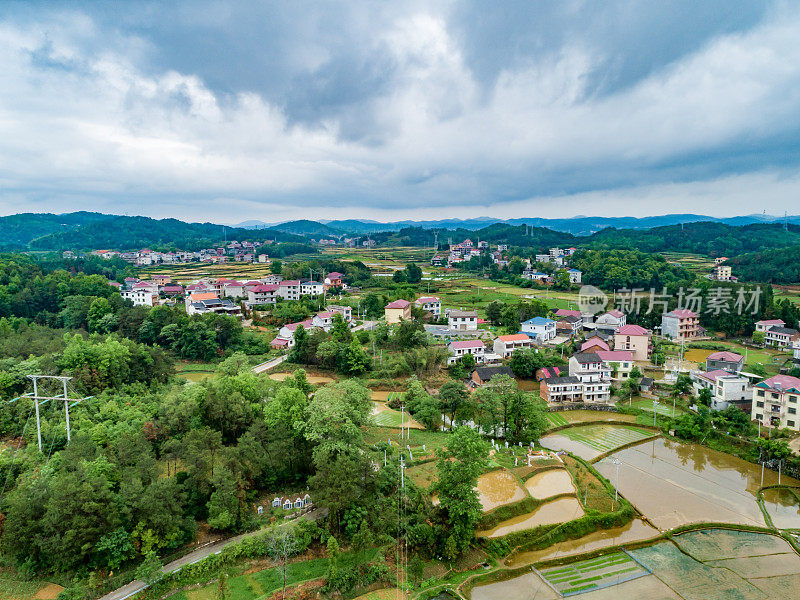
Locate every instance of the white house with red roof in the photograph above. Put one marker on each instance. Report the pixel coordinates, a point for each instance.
(766, 324)
(619, 362)
(343, 309)
(566, 312)
(285, 337)
(233, 289)
(613, 319)
(634, 338)
(140, 296)
(680, 324)
(594, 344)
(776, 401)
(430, 303)
(460, 348)
(323, 320)
(506, 345)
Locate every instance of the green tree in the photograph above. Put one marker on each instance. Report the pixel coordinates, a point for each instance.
(357, 360)
(413, 273)
(452, 397)
(458, 468)
(150, 570)
(494, 312)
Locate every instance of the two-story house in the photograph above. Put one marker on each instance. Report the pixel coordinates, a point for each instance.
(776, 401)
(541, 329)
(780, 337)
(344, 310)
(289, 289)
(262, 294)
(619, 363)
(312, 288)
(613, 319)
(397, 310)
(727, 388)
(634, 338)
(564, 388)
(462, 320)
(459, 348)
(430, 303)
(506, 345)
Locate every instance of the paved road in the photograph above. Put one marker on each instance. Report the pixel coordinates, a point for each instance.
(135, 586)
(367, 325)
(266, 366)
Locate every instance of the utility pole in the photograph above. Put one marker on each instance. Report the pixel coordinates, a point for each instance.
(36, 397)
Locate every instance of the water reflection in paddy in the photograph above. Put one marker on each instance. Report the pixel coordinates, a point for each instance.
(550, 513)
(634, 531)
(673, 483)
(550, 483)
(782, 507)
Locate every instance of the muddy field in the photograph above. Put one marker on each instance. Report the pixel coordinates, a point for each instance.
(550, 513)
(673, 484)
(550, 483)
(498, 488)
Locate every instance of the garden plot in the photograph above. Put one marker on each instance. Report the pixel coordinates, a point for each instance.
(590, 441)
(592, 574)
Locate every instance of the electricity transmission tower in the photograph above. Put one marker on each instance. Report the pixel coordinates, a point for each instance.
(41, 399)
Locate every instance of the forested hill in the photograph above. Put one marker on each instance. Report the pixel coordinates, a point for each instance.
(16, 231)
(715, 239)
(778, 265)
(127, 233)
(514, 235)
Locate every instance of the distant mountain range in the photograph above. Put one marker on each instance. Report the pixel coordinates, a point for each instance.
(88, 230)
(575, 225)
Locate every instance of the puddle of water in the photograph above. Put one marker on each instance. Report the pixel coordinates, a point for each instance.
(557, 511)
(498, 488)
(673, 483)
(316, 379)
(634, 531)
(528, 587)
(782, 508)
(550, 483)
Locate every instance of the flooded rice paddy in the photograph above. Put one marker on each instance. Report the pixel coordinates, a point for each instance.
(711, 564)
(782, 507)
(673, 483)
(498, 488)
(590, 441)
(550, 483)
(549, 513)
(634, 531)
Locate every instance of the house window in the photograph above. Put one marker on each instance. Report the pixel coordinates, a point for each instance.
(790, 423)
(759, 404)
(792, 411)
(793, 399)
(760, 393)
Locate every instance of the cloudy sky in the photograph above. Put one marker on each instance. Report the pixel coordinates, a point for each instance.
(228, 111)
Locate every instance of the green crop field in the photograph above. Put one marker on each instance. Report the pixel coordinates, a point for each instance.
(604, 438)
(556, 419)
(664, 408)
(593, 573)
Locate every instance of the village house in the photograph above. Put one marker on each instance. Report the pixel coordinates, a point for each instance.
(172, 289)
(311, 288)
(289, 289)
(323, 320)
(594, 374)
(535, 275)
(613, 319)
(680, 324)
(781, 337)
(574, 275)
(205, 302)
(272, 278)
(634, 338)
(345, 311)
(766, 324)
(561, 389)
(285, 337)
(161, 279)
(722, 273)
(430, 303)
(484, 375)
(775, 402)
(234, 289)
(541, 329)
(506, 345)
(262, 294)
(397, 311)
(594, 344)
(460, 348)
(728, 361)
(547, 372)
(727, 389)
(463, 320)
(574, 323)
(140, 297)
(619, 363)
(566, 312)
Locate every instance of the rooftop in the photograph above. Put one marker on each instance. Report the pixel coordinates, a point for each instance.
(726, 356)
(398, 304)
(632, 330)
(681, 313)
(515, 337)
(463, 344)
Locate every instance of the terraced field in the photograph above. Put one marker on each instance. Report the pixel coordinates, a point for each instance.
(592, 574)
(590, 441)
(664, 408)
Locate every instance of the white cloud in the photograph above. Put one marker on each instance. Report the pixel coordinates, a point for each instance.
(76, 123)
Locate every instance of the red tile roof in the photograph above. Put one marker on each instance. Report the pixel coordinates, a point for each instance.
(462, 344)
(682, 313)
(398, 304)
(632, 330)
(615, 355)
(726, 356)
